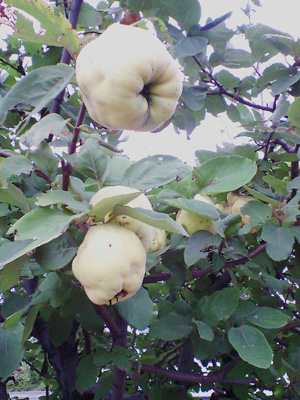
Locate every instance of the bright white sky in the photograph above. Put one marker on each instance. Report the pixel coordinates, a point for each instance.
(213, 131)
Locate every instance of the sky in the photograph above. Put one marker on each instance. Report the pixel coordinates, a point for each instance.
(213, 131)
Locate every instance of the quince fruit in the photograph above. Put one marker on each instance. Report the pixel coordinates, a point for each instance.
(128, 79)
(110, 264)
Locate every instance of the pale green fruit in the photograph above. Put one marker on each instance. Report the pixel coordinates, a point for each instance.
(128, 79)
(193, 222)
(223, 207)
(110, 264)
(236, 202)
(143, 231)
(159, 240)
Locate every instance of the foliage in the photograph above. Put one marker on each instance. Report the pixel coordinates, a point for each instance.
(216, 312)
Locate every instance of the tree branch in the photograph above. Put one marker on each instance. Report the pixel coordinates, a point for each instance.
(224, 91)
(119, 374)
(66, 57)
(109, 321)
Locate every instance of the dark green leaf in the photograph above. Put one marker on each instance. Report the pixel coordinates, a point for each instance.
(11, 273)
(220, 305)
(137, 310)
(87, 372)
(59, 327)
(171, 327)
(44, 159)
(51, 124)
(12, 351)
(14, 196)
(204, 330)
(198, 242)
(268, 318)
(294, 113)
(57, 253)
(193, 97)
(15, 165)
(280, 240)
(92, 161)
(196, 206)
(38, 87)
(251, 345)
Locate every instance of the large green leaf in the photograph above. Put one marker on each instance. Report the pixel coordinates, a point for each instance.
(11, 273)
(44, 158)
(267, 317)
(11, 352)
(294, 113)
(280, 240)
(15, 165)
(251, 345)
(51, 124)
(220, 305)
(14, 196)
(57, 253)
(171, 327)
(154, 171)
(59, 196)
(38, 87)
(204, 330)
(186, 13)
(34, 229)
(198, 242)
(223, 174)
(138, 310)
(86, 372)
(55, 29)
(92, 161)
(59, 327)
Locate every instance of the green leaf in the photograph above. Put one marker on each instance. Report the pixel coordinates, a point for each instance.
(55, 29)
(196, 206)
(10, 251)
(154, 171)
(251, 346)
(259, 212)
(52, 124)
(86, 372)
(196, 243)
(29, 322)
(171, 327)
(194, 98)
(58, 253)
(150, 217)
(44, 159)
(284, 44)
(227, 80)
(138, 310)
(11, 273)
(190, 46)
(59, 196)
(38, 227)
(12, 352)
(268, 318)
(14, 165)
(204, 330)
(86, 315)
(92, 161)
(262, 197)
(284, 83)
(89, 16)
(277, 184)
(231, 173)
(294, 113)
(220, 305)
(59, 327)
(280, 241)
(38, 87)
(14, 196)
